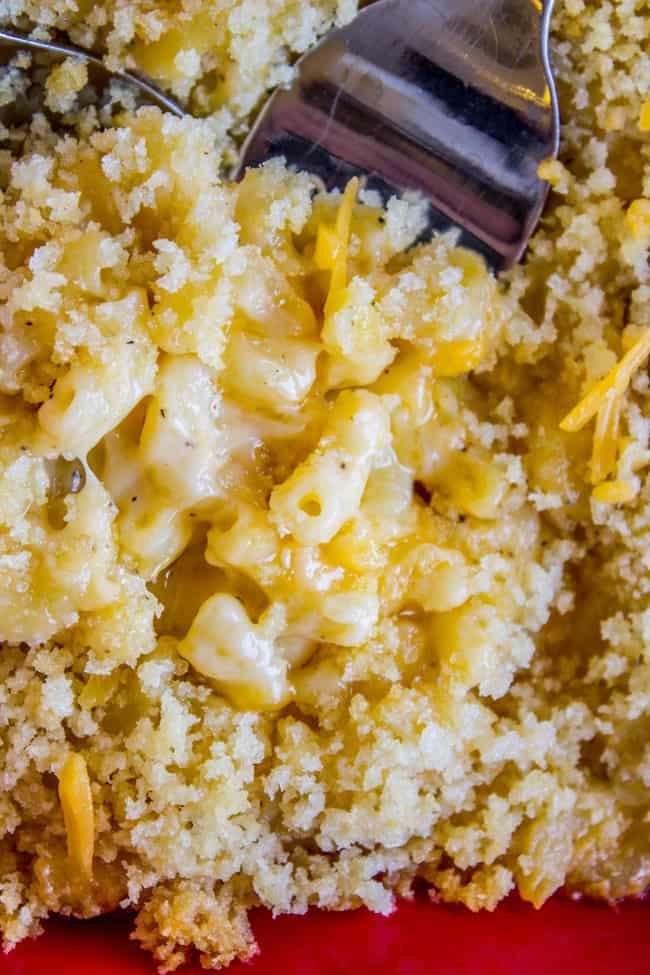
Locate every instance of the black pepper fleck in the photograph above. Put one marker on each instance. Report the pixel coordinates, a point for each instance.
(422, 492)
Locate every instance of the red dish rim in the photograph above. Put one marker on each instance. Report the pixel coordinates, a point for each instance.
(576, 937)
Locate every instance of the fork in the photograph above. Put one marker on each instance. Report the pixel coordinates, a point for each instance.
(453, 99)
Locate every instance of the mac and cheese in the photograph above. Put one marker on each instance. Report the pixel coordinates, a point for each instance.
(323, 558)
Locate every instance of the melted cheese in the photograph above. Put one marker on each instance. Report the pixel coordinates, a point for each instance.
(78, 814)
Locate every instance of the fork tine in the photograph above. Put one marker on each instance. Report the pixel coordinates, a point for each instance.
(431, 96)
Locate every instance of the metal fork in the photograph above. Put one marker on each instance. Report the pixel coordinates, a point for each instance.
(454, 99)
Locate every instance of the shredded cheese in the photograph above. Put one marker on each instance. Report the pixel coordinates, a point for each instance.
(332, 246)
(637, 219)
(619, 378)
(78, 814)
(551, 171)
(603, 456)
(644, 119)
(605, 401)
(614, 492)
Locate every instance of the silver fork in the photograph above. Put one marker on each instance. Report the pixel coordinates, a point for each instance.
(454, 99)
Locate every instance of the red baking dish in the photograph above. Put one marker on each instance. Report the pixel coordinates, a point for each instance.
(573, 937)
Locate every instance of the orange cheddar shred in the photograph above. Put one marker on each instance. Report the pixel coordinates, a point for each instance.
(605, 402)
(332, 246)
(78, 814)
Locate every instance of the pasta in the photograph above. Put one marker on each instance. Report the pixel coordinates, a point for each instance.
(326, 490)
(239, 656)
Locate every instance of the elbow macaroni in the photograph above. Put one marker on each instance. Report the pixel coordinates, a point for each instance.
(270, 372)
(325, 491)
(238, 655)
(94, 396)
(180, 444)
